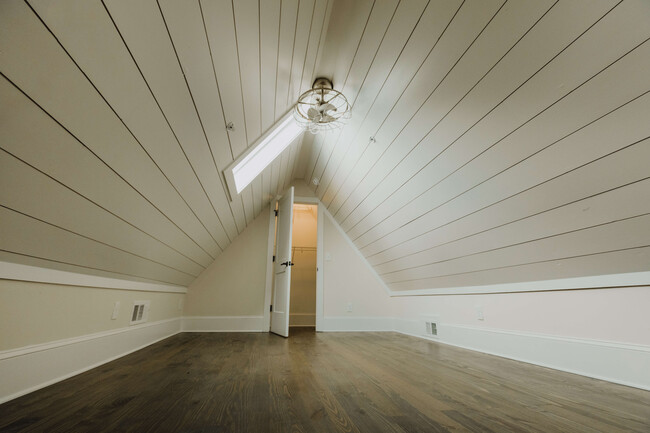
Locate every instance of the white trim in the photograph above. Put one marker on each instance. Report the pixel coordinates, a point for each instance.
(25, 350)
(297, 320)
(225, 324)
(590, 282)
(622, 363)
(15, 271)
(320, 267)
(356, 324)
(286, 122)
(306, 200)
(27, 369)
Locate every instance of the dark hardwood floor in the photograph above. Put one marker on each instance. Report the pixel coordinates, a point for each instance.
(335, 382)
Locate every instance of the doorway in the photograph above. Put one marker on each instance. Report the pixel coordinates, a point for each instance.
(302, 312)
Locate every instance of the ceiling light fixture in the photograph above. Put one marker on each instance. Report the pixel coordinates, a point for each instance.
(263, 152)
(322, 108)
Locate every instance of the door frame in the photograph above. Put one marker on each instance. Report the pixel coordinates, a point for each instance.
(268, 292)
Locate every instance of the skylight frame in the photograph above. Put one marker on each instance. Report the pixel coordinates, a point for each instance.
(242, 171)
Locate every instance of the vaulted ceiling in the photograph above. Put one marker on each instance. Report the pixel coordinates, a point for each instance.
(490, 141)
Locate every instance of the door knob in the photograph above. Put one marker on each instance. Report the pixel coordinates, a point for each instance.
(287, 264)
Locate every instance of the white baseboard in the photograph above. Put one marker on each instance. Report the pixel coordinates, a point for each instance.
(625, 364)
(225, 324)
(302, 319)
(27, 369)
(356, 324)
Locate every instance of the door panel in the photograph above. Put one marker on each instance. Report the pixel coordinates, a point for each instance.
(282, 266)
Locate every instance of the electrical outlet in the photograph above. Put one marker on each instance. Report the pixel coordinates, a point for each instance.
(348, 307)
(116, 310)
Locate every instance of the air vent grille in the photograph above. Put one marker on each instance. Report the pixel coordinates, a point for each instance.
(431, 328)
(140, 312)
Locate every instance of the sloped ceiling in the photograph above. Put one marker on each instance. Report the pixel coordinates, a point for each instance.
(511, 138)
(113, 127)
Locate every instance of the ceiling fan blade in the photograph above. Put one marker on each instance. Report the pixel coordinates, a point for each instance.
(314, 114)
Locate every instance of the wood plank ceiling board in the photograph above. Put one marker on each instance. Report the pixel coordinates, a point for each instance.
(446, 60)
(22, 182)
(457, 128)
(537, 96)
(77, 105)
(24, 235)
(247, 36)
(602, 209)
(269, 43)
(306, 9)
(88, 34)
(185, 25)
(288, 22)
(399, 56)
(606, 108)
(303, 160)
(533, 202)
(629, 234)
(218, 20)
(614, 132)
(314, 43)
(27, 130)
(145, 33)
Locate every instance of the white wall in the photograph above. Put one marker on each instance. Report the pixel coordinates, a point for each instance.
(601, 333)
(49, 332)
(303, 273)
(618, 315)
(353, 296)
(232, 288)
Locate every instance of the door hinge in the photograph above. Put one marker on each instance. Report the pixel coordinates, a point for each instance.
(276, 212)
(271, 309)
(274, 258)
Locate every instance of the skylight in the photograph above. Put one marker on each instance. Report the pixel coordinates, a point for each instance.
(262, 153)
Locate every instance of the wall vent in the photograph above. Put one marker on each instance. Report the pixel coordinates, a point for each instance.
(431, 328)
(140, 312)
(430, 323)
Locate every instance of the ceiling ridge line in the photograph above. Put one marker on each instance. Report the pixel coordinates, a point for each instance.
(337, 140)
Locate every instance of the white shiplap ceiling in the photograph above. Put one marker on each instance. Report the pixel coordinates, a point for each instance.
(113, 129)
(511, 137)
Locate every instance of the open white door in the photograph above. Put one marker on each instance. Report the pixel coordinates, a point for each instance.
(282, 266)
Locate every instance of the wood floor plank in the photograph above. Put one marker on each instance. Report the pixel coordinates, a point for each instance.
(333, 382)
